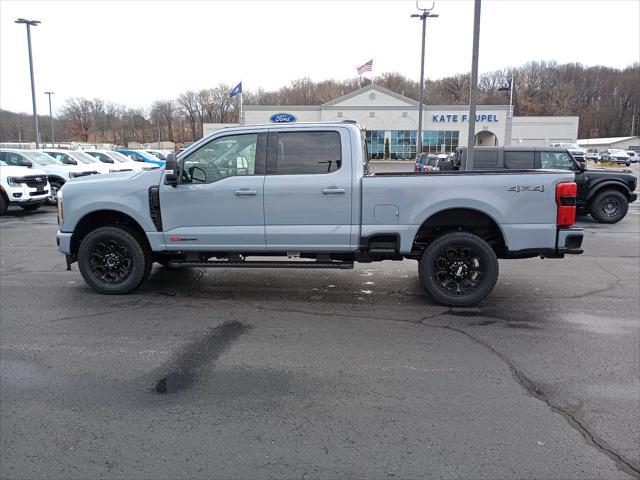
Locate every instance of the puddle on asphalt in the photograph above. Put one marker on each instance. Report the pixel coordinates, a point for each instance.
(191, 362)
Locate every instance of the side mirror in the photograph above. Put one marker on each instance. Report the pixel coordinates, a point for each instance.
(582, 166)
(108, 160)
(25, 163)
(70, 161)
(171, 172)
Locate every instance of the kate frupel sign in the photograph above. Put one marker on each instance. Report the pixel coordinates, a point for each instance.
(455, 118)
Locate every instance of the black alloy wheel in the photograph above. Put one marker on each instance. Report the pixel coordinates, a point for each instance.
(114, 260)
(458, 269)
(110, 261)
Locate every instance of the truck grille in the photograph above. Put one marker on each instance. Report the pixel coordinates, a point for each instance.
(34, 181)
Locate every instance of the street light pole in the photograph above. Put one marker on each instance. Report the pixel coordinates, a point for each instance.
(29, 24)
(473, 87)
(51, 117)
(423, 17)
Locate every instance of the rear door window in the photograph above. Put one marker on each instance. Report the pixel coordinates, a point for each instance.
(519, 159)
(557, 160)
(308, 153)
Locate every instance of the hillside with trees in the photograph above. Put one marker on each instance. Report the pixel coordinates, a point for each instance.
(604, 98)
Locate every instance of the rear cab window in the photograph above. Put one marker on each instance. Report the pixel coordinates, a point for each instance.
(519, 159)
(308, 152)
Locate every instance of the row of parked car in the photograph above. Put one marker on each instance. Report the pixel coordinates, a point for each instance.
(29, 178)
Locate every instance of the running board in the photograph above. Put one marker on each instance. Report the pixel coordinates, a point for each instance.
(265, 264)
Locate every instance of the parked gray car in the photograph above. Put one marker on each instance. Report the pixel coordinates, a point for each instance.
(302, 195)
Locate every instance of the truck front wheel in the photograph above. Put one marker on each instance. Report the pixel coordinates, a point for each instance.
(113, 260)
(458, 269)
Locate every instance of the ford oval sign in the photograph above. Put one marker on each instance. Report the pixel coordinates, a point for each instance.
(283, 118)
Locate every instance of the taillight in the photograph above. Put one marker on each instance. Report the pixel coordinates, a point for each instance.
(566, 201)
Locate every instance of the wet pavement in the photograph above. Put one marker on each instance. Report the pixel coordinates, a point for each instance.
(319, 374)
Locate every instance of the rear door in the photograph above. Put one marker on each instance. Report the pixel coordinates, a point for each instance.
(308, 191)
(219, 203)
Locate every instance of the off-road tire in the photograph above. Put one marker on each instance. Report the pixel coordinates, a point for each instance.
(470, 248)
(138, 258)
(609, 206)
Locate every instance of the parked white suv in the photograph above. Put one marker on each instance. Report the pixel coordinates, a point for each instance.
(633, 155)
(57, 173)
(22, 186)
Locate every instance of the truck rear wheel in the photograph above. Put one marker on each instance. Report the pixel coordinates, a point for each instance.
(609, 206)
(458, 269)
(113, 261)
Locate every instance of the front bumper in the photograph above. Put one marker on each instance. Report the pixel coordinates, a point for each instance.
(63, 240)
(633, 197)
(22, 195)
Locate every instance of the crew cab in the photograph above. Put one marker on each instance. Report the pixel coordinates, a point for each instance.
(302, 196)
(604, 193)
(22, 186)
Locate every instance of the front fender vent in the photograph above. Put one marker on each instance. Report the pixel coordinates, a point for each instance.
(154, 207)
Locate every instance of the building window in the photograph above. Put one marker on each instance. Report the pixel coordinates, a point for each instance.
(439, 141)
(402, 145)
(375, 143)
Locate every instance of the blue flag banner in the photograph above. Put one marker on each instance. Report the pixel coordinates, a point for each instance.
(236, 91)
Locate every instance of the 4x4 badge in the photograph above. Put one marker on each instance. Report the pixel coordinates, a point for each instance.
(526, 188)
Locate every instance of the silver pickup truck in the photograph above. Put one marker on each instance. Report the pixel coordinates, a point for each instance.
(301, 196)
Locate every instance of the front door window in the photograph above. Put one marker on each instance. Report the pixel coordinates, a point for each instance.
(224, 157)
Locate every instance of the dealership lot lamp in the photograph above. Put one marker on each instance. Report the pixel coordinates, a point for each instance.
(51, 116)
(422, 16)
(29, 24)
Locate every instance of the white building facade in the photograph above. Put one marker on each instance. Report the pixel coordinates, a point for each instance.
(389, 116)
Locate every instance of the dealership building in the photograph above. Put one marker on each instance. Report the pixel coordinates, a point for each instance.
(387, 115)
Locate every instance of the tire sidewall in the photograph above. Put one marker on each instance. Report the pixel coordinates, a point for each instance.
(596, 208)
(138, 258)
(486, 254)
(3, 204)
(48, 201)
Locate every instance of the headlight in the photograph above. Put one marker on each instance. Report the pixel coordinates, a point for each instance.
(13, 181)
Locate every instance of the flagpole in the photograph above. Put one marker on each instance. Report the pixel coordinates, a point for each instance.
(240, 117)
(511, 97)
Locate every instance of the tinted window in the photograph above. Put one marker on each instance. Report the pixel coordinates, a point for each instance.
(304, 153)
(518, 160)
(100, 156)
(557, 160)
(221, 158)
(61, 157)
(12, 158)
(485, 159)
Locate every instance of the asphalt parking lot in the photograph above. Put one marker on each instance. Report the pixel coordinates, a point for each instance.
(322, 374)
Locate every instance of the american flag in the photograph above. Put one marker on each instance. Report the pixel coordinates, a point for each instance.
(367, 67)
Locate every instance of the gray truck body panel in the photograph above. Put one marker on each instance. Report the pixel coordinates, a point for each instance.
(330, 212)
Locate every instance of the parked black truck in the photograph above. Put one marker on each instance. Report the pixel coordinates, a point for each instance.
(604, 193)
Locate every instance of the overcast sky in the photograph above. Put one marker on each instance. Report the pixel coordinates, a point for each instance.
(135, 52)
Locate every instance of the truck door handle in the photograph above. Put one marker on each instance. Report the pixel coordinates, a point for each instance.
(246, 191)
(332, 190)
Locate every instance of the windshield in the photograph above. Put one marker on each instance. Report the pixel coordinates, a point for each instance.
(40, 158)
(119, 157)
(158, 155)
(83, 157)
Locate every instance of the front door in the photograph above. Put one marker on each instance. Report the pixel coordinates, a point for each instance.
(307, 190)
(219, 203)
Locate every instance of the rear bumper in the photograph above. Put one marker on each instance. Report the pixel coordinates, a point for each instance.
(568, 242)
